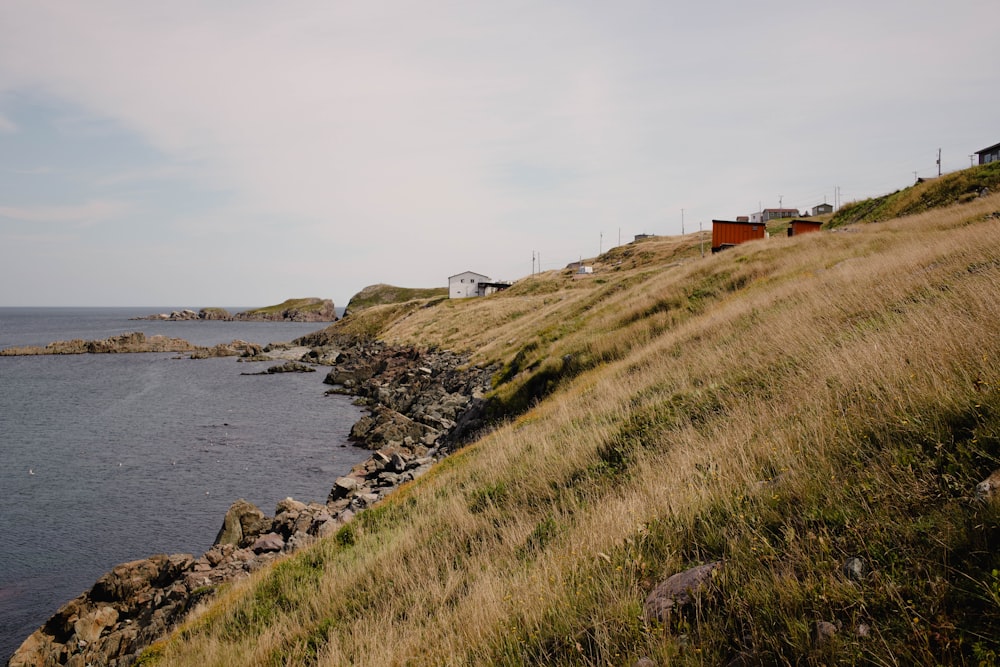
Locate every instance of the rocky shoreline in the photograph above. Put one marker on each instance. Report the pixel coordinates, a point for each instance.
(421, 406)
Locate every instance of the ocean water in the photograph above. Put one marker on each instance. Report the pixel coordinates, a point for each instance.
(110, 458)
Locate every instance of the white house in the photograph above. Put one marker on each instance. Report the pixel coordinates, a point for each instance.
(466, 284)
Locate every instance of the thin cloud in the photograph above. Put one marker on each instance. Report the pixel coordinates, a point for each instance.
(33, 171)
(87, 212)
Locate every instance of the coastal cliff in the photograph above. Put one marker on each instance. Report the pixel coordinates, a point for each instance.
(421, 405)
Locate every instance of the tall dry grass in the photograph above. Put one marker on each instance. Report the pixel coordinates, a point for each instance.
(780, 407)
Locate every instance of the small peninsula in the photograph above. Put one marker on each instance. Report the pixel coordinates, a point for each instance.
(309, 309)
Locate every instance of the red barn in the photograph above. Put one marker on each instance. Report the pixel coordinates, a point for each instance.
(728, 233)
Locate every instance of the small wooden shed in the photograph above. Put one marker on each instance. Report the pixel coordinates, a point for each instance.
(728, 233)
(803, 227)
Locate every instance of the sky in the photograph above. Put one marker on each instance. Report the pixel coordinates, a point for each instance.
(217, 153)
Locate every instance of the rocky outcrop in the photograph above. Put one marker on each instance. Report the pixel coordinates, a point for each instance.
(187, 315)
(124, 343)
(309, 309)
(137, 342)
(235, 348)
(287, 367)
(293, 310)
(428, 397)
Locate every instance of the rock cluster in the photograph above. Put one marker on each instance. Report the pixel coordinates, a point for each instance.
(138, 342)
(416, 398)
(188, 314)
(124, 343)
(138, 602)
(421, 405)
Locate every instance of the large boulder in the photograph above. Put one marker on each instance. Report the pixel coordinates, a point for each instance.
(243, 523)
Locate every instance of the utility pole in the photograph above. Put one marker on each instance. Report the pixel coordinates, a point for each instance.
(939, 162)
(682, 222)
(972, 162)
(779, 201)
(914, 177)
(600, 246)
(532, 262)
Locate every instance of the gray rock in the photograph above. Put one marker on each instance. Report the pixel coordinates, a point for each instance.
(989, 488)
(678, 590)
(825, 632)
(854, 568)
(397, 463)
(268, 542)
(343, 487)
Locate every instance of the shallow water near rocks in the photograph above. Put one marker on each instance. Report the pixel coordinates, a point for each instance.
(110, 458)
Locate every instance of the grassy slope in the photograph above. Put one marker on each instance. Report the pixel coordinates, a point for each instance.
(957, 187)
(782, 406)
(305, 305)
(381, 294)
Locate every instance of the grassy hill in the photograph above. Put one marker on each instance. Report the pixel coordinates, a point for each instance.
(382, 294)
(954, 188)
(781, 408)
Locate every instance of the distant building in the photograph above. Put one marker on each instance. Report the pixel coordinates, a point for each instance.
(991, 154)
(822, 209)
(729, 233)
(467, 284)
(640, 237)
(743, 218)
(470, 284)
(777, 213)
(803, 227)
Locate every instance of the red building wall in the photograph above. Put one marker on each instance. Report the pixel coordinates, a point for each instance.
(727, 232)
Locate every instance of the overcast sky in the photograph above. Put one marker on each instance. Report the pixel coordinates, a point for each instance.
(192, 153)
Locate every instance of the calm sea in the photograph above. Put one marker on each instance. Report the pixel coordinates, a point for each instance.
(110, 458)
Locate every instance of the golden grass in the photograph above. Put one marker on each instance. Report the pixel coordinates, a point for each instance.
(781, 406)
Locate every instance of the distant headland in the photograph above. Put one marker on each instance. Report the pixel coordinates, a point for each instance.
(310, 309)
